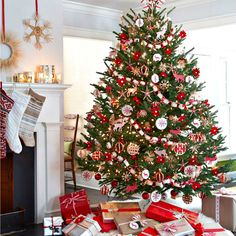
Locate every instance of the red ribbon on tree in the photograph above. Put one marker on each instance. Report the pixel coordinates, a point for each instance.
(36, 8)
(3, 20)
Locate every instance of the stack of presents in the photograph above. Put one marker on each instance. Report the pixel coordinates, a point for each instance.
(127, 218)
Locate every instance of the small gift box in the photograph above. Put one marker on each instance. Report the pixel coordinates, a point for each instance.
(164, 212)
(106, 227)
(110, 208)
(149, 232)
(74, 204)
(131, 223)
(214, 229)
(52, 225)
(82, 226)
(175, 228)
(222, 207)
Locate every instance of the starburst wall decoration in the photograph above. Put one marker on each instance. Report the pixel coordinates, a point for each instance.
(38, 29)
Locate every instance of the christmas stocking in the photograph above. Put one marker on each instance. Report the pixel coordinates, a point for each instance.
(6, 104)
(30, 118)
(14, 118)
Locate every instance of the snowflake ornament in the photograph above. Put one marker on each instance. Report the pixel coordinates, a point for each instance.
(152, 3)
(38, 29)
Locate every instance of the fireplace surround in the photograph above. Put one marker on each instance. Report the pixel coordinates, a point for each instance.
(48, 152)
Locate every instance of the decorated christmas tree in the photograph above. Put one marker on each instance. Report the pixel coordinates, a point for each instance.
(149, 131)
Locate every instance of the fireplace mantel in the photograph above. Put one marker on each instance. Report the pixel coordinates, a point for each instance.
(49, 163)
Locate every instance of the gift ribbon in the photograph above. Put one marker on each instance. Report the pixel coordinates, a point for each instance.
(137, 219)
(217, 210)
(177, 214)
(53, 228)
(199, 230)
(36, 8)
(3, 21)
(72, 200)
(120, 210)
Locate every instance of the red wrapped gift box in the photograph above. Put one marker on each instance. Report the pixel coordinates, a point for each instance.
(149, 232)
(164, 212)
(106, 227)
(74, 204)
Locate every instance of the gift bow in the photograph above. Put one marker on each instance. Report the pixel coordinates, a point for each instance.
(170, 228)
(199, 230)
(137, 219)
(72, 200)
(54, 228)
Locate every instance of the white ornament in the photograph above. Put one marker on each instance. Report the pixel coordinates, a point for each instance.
(170, 38)
(139, 22)
(155, 196)
(161, 123)
(108, 145)
(155, 78)
(153, 140)
(145, 174)
(189, 79)
(165, 43)
(127, 110)
(190, 171)
(196, 122)
(114, 154)
(157, 57)
(134, 225)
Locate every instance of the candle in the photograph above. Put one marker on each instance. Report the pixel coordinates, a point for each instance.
(58, 78)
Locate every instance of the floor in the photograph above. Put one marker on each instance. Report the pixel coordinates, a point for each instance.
(37, 230)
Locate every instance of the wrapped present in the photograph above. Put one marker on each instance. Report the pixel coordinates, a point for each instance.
(164, 212)
(222, 207)
(110, 208)
(149, 232)
(83, 226)
(74, 204)
(175, 228)
(106, 227)
(52, 225)
(131, 223)
(209, 229)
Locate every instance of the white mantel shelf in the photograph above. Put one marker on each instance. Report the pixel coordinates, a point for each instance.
(37, 86)
(49, 158)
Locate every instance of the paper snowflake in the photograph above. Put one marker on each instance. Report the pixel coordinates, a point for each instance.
(153, 3)
(38, 29)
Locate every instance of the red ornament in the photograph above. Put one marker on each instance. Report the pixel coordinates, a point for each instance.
(108, 89)
(181, 96)
(168, 51)
(214, 130)
(202, 195)
(196, 72)
(161, 159)
(182, 118)
(104, 190)
(89, 116)
(196, 185)
(129, 68)
(114, 183)
(121, 81)
(173, 194)
(104, 119)
(206, 102)
(223, 178)
(123, 37)
(118, 61)
(136, 99)
(187, 199)
(137, 55)
(145, 195)
(215, 171)
(134, 157)
(97, 176)
(108, 156)
(155, 111)
(159, 176)
(182, 34)
(96, 156)
(193, 160)
(163, 74)
(179, 148)
(89, 145)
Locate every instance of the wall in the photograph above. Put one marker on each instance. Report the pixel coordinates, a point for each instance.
(51, 53)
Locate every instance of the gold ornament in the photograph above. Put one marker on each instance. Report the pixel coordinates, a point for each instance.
(13, 46)
(132, 31)
(181, 63)
(133, 149)
(180, 87)
(144, 70)
(135, 71)
(174, 119)
(187, 199)
(163, 67)
(39, 29)
(96, 156)
(159, 176)
(119, 147)
(164, 85)
(115, 102)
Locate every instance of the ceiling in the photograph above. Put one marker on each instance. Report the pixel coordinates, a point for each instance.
(115, 4)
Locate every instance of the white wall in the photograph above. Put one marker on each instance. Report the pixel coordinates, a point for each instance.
(51, 53)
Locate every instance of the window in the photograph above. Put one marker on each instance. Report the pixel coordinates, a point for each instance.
(215, 49)
(83, 57)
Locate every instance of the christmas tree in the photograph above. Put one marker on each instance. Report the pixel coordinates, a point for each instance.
(149, 131)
